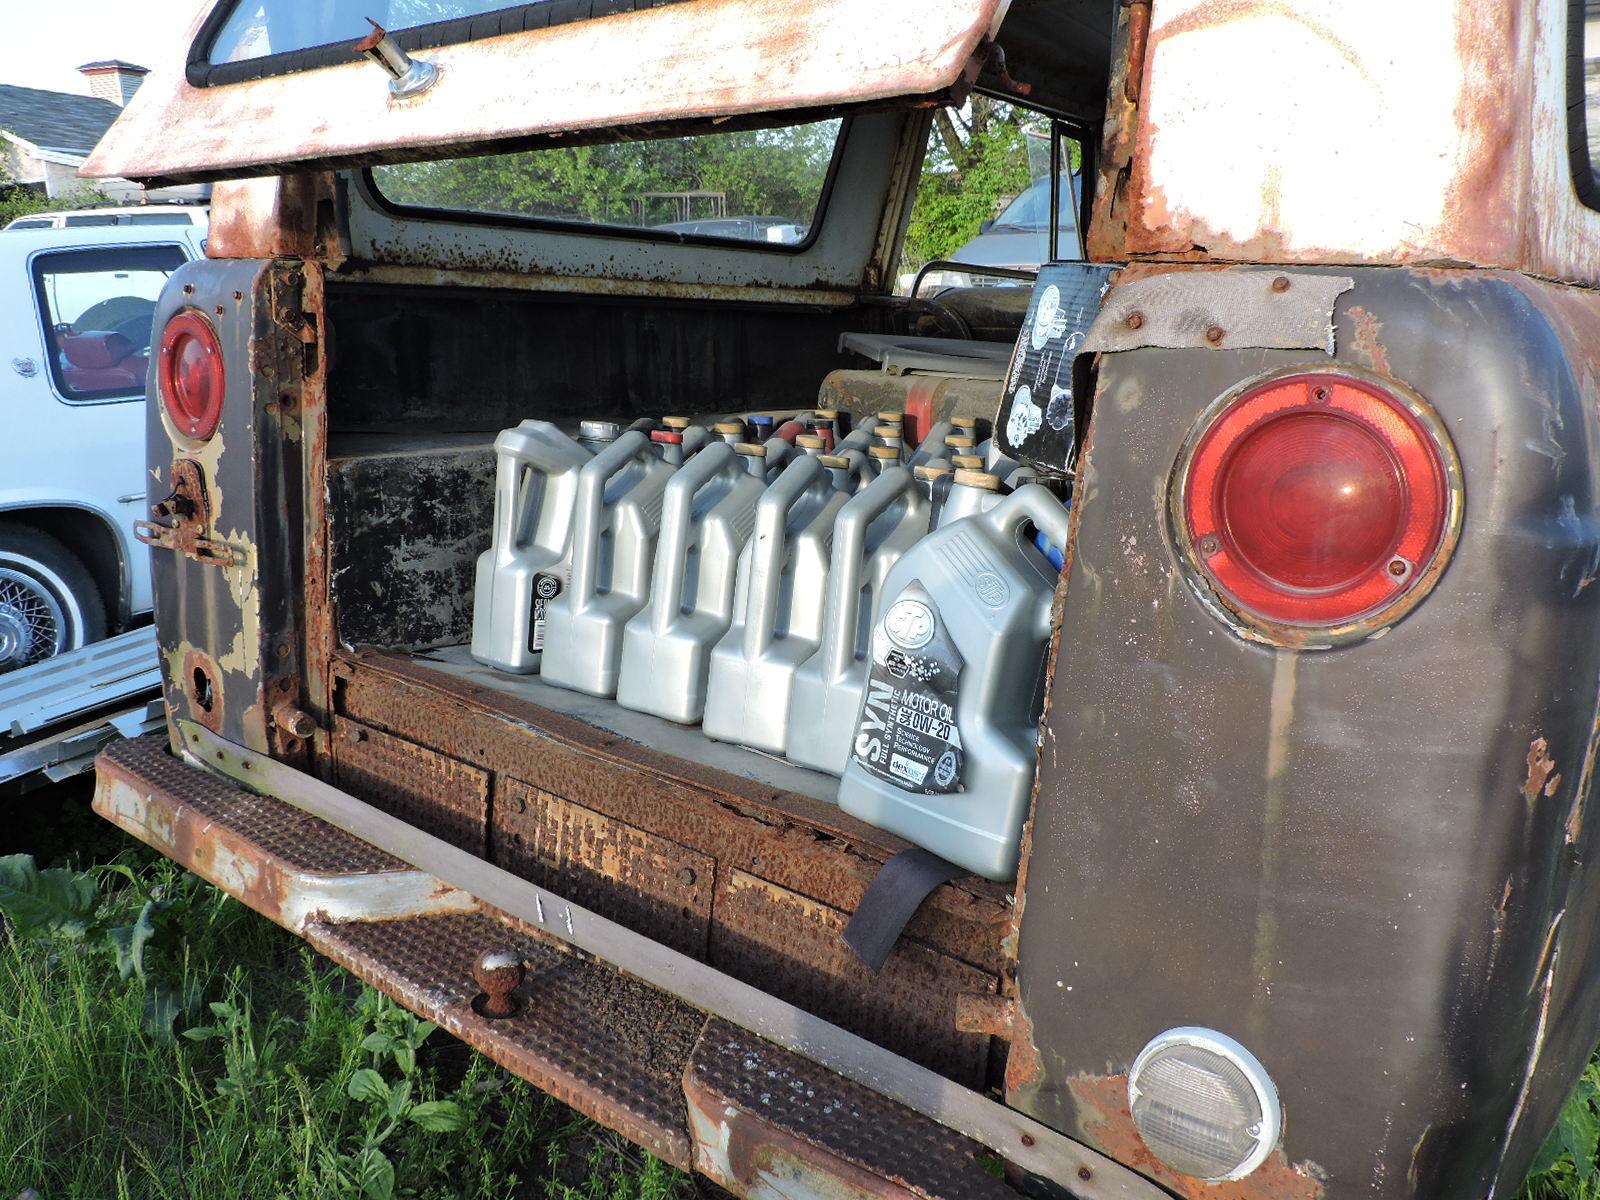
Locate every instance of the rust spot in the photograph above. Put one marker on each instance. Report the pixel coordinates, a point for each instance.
(1542, 777)
(1024, 1066)
(1105, 1122)
(1368, 331)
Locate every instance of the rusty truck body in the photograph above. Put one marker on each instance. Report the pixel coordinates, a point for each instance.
(1352, 842)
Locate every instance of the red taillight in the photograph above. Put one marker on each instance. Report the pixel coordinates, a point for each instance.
(1318, 499)
(190, 375)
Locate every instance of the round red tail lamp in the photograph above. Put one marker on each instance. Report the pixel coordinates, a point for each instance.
(1316, 506)
(190, 375)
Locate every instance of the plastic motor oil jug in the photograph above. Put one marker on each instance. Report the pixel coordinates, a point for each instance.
(777, 608)
(873, 530)
(945, 740)
(707, 515)
(615, 518)
(530, 547)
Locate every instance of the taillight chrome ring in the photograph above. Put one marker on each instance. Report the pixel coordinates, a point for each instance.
(190, 375)
(1311, 507)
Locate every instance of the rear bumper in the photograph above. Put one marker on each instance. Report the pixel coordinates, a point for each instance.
(699, 1091)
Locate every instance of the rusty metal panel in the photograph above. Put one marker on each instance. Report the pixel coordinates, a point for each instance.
(284, 863)
(766, 934)
(800, 843)
(1370, 865)
(605, 1044)
(768, 1123)
(708, 60)
(434, 792)
(638, 879)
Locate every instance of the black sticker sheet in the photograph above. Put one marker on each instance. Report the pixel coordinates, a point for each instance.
(906, 733)
(1035, 422)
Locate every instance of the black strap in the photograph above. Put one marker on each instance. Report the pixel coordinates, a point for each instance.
(892, 899)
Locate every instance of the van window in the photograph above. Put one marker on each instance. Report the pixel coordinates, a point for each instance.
(984, 197)
(98, 308)
(159, 218)
(763, 187)
(84, 220)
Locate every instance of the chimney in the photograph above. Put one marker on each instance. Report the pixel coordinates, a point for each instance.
(114, 80)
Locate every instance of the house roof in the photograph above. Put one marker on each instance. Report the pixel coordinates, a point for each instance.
(59, 119)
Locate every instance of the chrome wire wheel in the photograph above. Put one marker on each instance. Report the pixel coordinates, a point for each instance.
(37, 620)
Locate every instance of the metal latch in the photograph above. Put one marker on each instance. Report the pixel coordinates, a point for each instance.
(180, 520)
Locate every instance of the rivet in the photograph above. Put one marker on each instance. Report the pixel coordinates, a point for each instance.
(238, 295)
(498, 973)
(188, 289)
(219, 310)
(1027, 1139)
(1085, 1174)
(1281, 284)
(1209, 545)
(1214, 334)
(686, 876)
(1135, 320)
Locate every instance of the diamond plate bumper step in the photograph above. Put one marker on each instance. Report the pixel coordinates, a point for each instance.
(685, 1061)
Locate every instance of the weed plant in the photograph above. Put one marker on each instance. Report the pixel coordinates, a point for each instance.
(158, 1039)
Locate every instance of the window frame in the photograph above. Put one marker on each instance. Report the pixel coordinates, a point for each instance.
(52, 349)
(201, 72)
(634, 233)
(1585, 176)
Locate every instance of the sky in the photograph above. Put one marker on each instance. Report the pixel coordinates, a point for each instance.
(46, 40)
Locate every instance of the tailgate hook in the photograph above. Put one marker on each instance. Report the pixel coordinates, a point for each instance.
(407, 76)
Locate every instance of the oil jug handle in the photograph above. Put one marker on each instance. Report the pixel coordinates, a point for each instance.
(1031, 502)
(592, 480)
(666, 591)
(844, 574)
(536, 444)
(766, 558)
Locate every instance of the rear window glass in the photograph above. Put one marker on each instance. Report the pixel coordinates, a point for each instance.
(763, 187)
(88, 219)
(160, 218)
(98, 308)
(258, 28)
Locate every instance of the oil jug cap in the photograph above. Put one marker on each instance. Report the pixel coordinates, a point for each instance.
(979, 479)
(759, 419)
(834, 462)
(884, 452)
(930, 471)
(599, 429)
(890, 416)
(810, 441)
(888, 431)
(968, 462)
(959, 441)
(679, 423)
(753, 449)
(671, 436)
(729, 427)
(965, 422)
(826, 414)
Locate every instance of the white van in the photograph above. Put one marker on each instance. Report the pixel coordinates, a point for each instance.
(89, 218)
(75, 330)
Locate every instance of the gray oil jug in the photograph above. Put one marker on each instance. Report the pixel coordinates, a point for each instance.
(707, 515)
(873, 530)
(970, 492)
(530, 549)
(932, 446)
(615, 520)
(946, 739)
(777, 610)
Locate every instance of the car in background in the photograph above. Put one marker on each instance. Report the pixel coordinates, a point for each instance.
(1017, 240)
(143, 214)
(744, 229)
(76, 307)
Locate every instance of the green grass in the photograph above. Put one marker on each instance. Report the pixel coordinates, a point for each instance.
(158, 1039)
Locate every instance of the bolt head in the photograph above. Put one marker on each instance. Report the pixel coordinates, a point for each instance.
(498, 972)
(1214, 334)
(1135, 320)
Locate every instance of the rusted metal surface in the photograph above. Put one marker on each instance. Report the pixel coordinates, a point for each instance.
(286, 865)
(794, 841)
(1105, 1121)
(181, 521)
(770, 936)
(430, 790)
(768, 1124)
(1138, 41)
(641, 880)
(607, 1045)
(275, 216)
(713, 59)
(991, 1016)
(1349, 858)
(1180, 309)
(1024, 1143)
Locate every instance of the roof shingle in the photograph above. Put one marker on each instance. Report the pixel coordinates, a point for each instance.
(59, 119)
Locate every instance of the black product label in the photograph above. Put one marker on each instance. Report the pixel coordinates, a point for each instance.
(545, 589)
(906, 733)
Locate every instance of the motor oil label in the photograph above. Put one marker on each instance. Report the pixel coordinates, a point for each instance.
(546, 588)
(906, 733)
